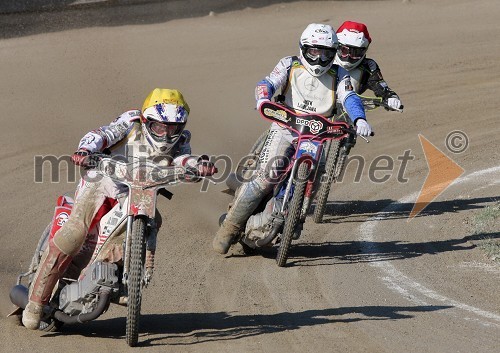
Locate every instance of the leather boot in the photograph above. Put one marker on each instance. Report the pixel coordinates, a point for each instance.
(225, 236)
(52, 266)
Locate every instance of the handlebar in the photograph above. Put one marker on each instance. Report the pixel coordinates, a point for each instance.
(152, 175)
(354, 132)
(371, 103)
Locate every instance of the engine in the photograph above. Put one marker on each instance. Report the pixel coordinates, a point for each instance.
(78, 297)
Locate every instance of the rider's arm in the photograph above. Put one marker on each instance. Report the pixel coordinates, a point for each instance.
(274, 81)
(348, 98)
(106, 136)
(376, 81)
(200, 166)
(183, 155)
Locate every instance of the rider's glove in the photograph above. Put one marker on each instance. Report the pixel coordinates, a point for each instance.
(395, 104)
(362, 127)
(205, 168)
(81, 157)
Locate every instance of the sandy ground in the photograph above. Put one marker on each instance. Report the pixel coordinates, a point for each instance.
(366, 280)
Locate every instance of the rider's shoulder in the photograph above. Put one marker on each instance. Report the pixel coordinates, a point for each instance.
(129, 117)
(333, 70)
(369, 64)
(289, 61)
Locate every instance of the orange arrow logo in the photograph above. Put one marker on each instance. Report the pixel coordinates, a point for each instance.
(442, 172)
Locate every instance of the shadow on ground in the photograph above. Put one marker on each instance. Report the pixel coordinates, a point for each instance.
(355, 251)
(338, 253)
(194, 328)
(387, 209)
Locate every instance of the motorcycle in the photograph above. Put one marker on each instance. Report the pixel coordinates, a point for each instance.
(336, 154)
(284, 211)
(118, 253)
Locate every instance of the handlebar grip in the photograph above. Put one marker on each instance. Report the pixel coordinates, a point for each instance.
(92, 161)
(353, 131)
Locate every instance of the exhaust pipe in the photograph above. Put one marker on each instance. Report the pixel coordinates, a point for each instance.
(102, 304)
(19, 296)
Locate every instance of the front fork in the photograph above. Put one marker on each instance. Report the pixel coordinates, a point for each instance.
(309, 194)
(312, 186)
(151, 235)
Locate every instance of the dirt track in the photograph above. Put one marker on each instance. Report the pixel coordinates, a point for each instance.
(365, 281)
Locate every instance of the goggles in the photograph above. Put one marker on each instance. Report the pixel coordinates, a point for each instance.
(322, 54)
(165, 130)
(354, 53)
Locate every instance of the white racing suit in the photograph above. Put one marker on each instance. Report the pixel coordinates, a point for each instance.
(304, 93)
(122, 138)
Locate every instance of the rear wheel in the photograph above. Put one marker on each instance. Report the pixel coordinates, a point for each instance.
(326, 182)
(293, 217)
(136, 270)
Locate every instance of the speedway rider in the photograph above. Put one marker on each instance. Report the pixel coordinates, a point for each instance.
(309, 83)
(365, 73)
(156, 133)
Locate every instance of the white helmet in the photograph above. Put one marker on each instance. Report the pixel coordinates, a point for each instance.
(318, 44)
(354, 40)
(164, 116)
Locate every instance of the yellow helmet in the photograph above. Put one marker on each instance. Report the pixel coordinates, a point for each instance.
(164, 116)
(165, 95)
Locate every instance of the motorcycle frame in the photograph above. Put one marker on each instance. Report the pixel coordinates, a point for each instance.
(317, 125)
(143, 189)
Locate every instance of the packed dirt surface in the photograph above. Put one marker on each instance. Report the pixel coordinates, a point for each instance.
(366, 280)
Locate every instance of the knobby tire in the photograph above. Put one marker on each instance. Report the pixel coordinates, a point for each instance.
(136, 270)
(293, 216)
(326, 182)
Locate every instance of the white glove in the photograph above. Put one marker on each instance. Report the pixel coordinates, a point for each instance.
(363, 128)
(395, 104)
(260, 101)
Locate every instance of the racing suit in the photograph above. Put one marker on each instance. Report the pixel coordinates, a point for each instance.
(304, 93)
(367, 75)
(122, 138)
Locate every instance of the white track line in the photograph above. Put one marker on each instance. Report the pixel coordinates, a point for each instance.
(403, 284)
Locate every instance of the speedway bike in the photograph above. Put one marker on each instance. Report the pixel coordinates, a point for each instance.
(121, 243)
(287, 205)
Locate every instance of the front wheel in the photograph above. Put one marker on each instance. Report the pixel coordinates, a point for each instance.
(326, 182)
(293, 216)
(136, 270)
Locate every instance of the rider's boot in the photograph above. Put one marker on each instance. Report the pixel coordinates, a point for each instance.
(52, 266)
(248, 198)
(225, 236)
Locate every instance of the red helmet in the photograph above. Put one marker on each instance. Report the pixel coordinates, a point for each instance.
(354, 40)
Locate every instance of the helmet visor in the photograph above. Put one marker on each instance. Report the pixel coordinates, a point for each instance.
(165, 130)
(322, 54)
(348, 53)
